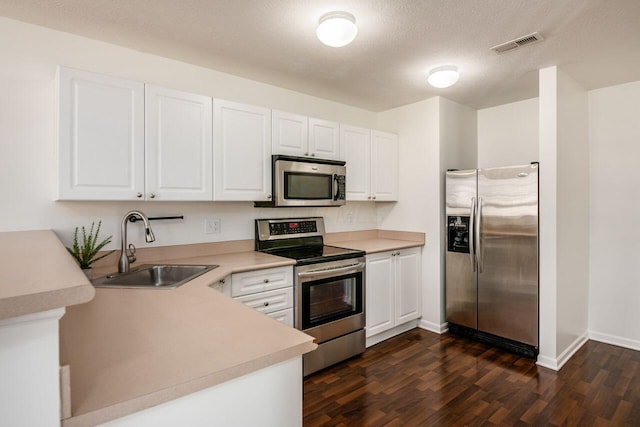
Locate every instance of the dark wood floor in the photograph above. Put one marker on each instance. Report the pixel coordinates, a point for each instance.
(423, 379)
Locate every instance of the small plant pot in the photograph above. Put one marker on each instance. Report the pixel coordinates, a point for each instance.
(88, 272)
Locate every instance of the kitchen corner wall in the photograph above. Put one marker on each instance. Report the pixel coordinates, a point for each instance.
(508, 134)
(29, 56)
(434, 134)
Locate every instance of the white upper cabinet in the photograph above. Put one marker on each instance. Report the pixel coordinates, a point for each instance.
(356, 145)
(241, 152)
(100, 137)
(372, 163)
(384, 166)
(324, 139)
(179, 145)
(290, 135)
(297, 135)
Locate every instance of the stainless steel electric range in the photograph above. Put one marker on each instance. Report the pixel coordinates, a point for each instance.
(329, 287)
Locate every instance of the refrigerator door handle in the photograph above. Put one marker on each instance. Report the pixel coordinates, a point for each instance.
(472, 248)
(478, 242)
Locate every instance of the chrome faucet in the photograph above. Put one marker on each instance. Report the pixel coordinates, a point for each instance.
(128, 252)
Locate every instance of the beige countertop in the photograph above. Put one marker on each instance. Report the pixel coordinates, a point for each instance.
(130, 349)
(38, 274)
(376, 240)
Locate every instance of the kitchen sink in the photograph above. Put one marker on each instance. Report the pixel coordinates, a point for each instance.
(163, 276)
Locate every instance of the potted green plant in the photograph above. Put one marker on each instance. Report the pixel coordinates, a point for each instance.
(86, 251)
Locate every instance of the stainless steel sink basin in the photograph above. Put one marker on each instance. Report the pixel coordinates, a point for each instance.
(162, 276)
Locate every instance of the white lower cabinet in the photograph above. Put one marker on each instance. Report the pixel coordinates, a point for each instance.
(269, 291)
(394, 282)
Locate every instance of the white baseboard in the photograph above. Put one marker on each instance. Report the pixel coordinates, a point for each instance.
(615, 340)
(557, 363)
(375, 339)
(433, 327)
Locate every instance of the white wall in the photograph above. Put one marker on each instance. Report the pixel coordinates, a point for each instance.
(508, 134)
(28, 59)
(573, 217)
(417, 126)
(434, 134)
(614, 138)
(564, 219)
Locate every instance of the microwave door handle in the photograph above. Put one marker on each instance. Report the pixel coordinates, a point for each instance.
(337, 187)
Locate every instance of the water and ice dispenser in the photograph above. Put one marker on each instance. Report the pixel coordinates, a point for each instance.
(458, 234)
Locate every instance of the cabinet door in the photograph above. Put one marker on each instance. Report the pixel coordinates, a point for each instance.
(289, 134)
(100, 137)
(223, 285)
(379, 293)
(179, 145)
(408, 285)
(384, 166)
(356, 144)
(242, 152)
(324, 139)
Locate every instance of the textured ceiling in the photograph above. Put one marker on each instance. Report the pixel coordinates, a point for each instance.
(273, 41)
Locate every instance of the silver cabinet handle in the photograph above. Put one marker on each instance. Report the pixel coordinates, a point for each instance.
(313, 154)
(374, 197)
(306, 154)
(266, 303)
(369, 198)
(139, 195)
(269, 196)
(152, 196)
(221, 281)
(266, 280)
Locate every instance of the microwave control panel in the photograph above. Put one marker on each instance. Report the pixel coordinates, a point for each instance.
(458, 234)
(342, 187)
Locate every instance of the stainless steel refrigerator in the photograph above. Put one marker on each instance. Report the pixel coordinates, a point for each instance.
(492, 255)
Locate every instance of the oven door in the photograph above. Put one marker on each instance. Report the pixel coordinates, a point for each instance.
(330, 298)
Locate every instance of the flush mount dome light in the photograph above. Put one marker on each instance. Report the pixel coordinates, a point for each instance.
(337, 29)
(444, 76)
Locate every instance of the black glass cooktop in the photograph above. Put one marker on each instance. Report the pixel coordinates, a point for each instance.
(315, 254)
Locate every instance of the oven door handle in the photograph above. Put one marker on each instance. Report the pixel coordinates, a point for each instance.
(323, 271)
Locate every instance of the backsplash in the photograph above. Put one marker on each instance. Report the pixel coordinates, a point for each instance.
(236, 220)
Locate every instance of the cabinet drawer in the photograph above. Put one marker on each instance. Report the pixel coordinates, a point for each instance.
(285, 316)
(251, 282)
(269, 301)
(223, 286)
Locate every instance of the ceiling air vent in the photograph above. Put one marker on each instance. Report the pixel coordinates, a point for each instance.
(520, 41)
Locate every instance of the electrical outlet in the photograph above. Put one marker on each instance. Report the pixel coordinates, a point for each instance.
(350, 218)
(212, 226)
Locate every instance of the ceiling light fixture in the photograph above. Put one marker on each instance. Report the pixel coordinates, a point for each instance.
(444, 76)
(337, 29)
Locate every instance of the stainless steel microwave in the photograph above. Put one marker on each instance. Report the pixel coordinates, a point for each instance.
(300, 181)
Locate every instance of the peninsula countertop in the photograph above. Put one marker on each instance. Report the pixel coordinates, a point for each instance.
(130, 349)
(37, 274)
